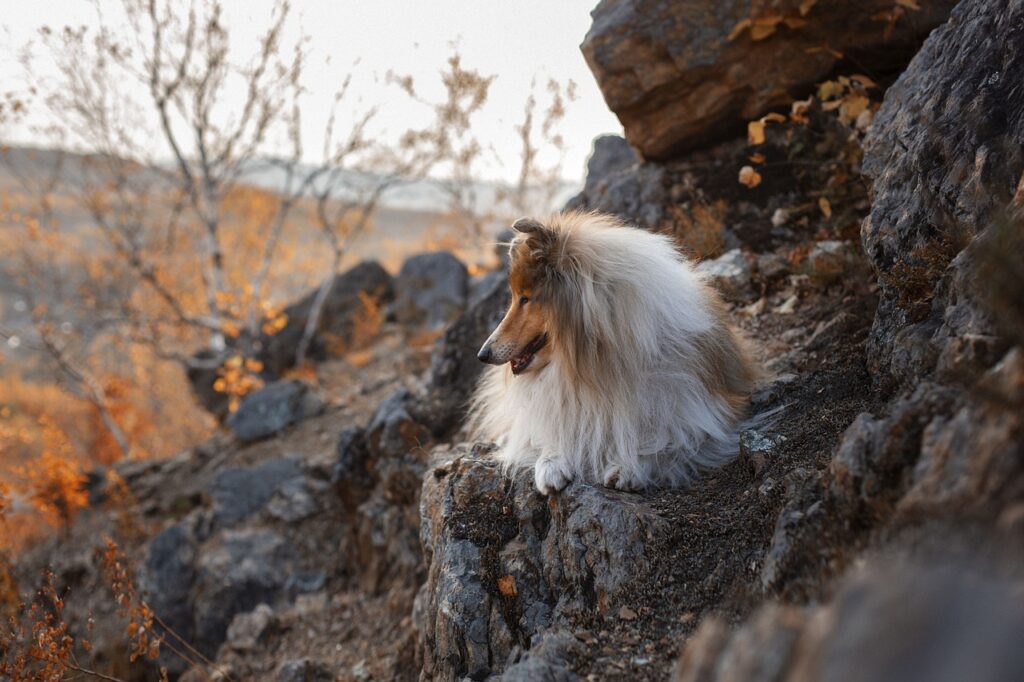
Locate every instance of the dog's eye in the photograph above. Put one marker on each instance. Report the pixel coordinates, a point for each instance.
(523, 300)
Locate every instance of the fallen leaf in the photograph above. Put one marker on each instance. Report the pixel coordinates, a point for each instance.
(798, 112)
(774, 117)
(909, 4)
(825, 206)
(626, 613)
(739, 28)
(852, 106)
(830, 90)
(507, 586)
(749, 177)
(764, 27)
(755, 132)
(794, 22)
(806, 6)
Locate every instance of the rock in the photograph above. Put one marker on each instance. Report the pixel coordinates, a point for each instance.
(236, 572)
(292, 501)
(454, 367)
(682, 74)
(272, 408)
(239, 493)
(963, 628)
(431, 290)
(250, 630)
(337, 319)
(772, 266)
(167, 580)
(611, 155)
(934, 190)
(827, 261)
(351, 475)
(305, 670)
(483, 532)
(635, 193)
(759, 447)
(730, 273)
(548, 660)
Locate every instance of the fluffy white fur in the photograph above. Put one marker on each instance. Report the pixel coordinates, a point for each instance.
(623, 401)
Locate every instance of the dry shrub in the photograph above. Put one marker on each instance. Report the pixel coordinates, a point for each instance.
(423, 338)
(56, 487)
(237, 378)
(698, 227)
(367, 321)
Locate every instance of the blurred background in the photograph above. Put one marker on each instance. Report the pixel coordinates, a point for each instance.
(173, 176)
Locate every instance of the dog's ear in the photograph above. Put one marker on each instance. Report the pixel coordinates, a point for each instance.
(527, 226)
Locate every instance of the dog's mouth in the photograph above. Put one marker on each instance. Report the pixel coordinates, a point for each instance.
(522, 361)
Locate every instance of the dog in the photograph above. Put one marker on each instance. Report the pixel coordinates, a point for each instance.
(615, 363)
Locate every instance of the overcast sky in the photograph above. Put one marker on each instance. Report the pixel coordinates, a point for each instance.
(517, 41)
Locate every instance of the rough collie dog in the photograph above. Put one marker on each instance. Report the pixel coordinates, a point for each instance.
(615, 362)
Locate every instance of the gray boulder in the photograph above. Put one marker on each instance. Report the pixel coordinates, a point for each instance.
(239, 493)
(431, 290)
(273, 408)
(235, 572)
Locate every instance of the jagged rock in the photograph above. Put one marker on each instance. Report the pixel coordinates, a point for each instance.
(305, 670)
(548, 660)
(681, 74)
(239, 493)
(337, 318)
(730, 273)
(634, 192)
(873, 455)
(454, 367)
(946, 153)
(505, 564)
(431, 290)
(351, 475)
(272, 408)
(234, 573)
(392, 430)
(292, 501)
(167, 580)
(963, 628)
(610, 156)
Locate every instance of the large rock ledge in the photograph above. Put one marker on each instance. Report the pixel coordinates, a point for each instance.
(506, 564)
(679, 73)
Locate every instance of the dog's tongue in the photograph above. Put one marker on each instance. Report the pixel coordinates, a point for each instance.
(520, 363)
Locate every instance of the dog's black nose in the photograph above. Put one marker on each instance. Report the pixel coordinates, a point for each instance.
(485, 354)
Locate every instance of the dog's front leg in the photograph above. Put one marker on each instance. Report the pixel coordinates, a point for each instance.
(551, 474)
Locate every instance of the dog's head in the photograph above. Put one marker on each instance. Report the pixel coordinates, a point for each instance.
(522, 338)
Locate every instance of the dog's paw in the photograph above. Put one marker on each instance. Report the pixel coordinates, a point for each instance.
(614, 477)
(551, 475)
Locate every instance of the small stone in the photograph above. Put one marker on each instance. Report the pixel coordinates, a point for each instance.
(729, 272)
(626, 613)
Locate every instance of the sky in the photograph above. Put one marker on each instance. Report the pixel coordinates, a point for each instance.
(518, 42)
